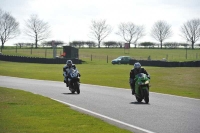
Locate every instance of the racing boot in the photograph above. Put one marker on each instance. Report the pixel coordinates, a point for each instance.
(64, 80)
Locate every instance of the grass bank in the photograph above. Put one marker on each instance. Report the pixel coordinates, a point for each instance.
(24, 112)
(103, 54)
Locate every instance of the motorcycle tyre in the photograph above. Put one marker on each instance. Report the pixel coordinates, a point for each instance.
(138, 99)
(77, 86)
(146, 95)
(73, 92)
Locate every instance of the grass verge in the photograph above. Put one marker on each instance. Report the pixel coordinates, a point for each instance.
(24, 112)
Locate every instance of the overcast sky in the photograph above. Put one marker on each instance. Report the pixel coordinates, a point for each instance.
(70, 20)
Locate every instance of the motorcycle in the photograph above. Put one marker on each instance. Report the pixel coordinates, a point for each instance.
(74, 80)
(142, 85)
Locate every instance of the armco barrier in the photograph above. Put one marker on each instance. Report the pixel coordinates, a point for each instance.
(166, 64)
(37, 60)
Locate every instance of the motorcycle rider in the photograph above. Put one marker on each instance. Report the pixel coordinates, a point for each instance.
(69, 64)
(136, 70)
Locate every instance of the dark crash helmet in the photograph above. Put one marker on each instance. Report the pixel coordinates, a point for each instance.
(69, 63)
(137, 66)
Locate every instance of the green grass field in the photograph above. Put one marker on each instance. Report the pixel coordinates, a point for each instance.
(102, 54)
(142, 54)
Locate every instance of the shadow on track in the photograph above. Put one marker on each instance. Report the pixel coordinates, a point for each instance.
(70, 93)
(139, 103)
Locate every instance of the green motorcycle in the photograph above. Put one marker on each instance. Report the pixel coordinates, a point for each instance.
(142, 83)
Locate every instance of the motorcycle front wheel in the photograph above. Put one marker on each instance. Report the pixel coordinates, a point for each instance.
(146, 94)
(72, 91)
(76, 85)
(138, 99)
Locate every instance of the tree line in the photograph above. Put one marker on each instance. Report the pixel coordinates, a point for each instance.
(130, 33)
(114, 44)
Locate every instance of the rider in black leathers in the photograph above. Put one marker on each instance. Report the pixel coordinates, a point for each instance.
(136, 70)
(68, 65)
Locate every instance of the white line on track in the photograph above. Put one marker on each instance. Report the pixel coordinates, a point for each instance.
(103, 116)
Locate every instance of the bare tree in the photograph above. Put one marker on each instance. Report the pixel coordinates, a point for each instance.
(191, 31)
(9, 28)
(161, 31)
(129, 31)
(37, 29)
(100, 30)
